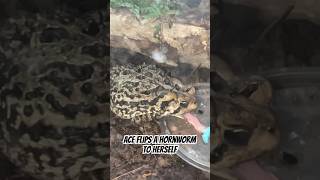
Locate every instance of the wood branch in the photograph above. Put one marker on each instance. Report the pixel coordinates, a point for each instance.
(186, 43)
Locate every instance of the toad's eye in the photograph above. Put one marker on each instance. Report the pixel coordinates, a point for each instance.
(177, 87)
(184, 104)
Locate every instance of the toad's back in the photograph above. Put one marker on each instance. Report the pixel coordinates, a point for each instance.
(145, 92)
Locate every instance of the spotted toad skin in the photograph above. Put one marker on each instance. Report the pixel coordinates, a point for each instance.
(54, 120)
(144, 93)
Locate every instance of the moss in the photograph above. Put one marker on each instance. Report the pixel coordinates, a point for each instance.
(147, 9)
